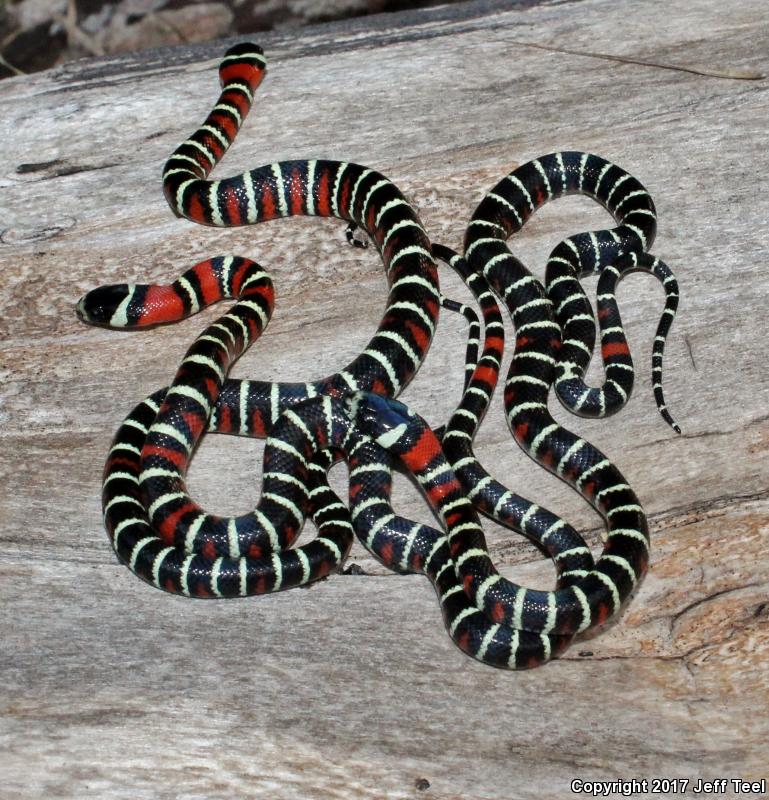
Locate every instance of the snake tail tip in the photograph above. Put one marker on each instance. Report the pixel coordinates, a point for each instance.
(245, 49)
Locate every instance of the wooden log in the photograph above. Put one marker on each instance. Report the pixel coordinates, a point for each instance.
(351, 688)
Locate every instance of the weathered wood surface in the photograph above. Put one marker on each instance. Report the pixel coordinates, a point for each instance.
(352, 689)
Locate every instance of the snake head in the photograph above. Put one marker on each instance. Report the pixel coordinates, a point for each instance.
(390, 423)
(102, 306)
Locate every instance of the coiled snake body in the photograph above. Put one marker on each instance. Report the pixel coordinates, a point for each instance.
(167, 539)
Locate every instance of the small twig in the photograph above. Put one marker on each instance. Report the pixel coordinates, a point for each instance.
(3, 60)
(735, 75)
(7, 64)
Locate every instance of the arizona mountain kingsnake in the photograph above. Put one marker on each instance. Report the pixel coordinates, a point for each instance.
(167, 539)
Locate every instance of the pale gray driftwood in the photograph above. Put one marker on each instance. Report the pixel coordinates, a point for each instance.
(352, 689)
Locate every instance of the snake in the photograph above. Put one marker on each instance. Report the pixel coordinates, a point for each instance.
(168, 540)
(600, 591)
(319, 187)
(171, 543)
(159, 435)
(150, 516)
(312, 187)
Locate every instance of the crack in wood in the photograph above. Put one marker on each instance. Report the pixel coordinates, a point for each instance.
(712, 596)
(61, 171)
(704, 434)
(688, 344)
(734, 75)
(682, 516)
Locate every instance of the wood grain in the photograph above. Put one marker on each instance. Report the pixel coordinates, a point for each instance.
(352, 689)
